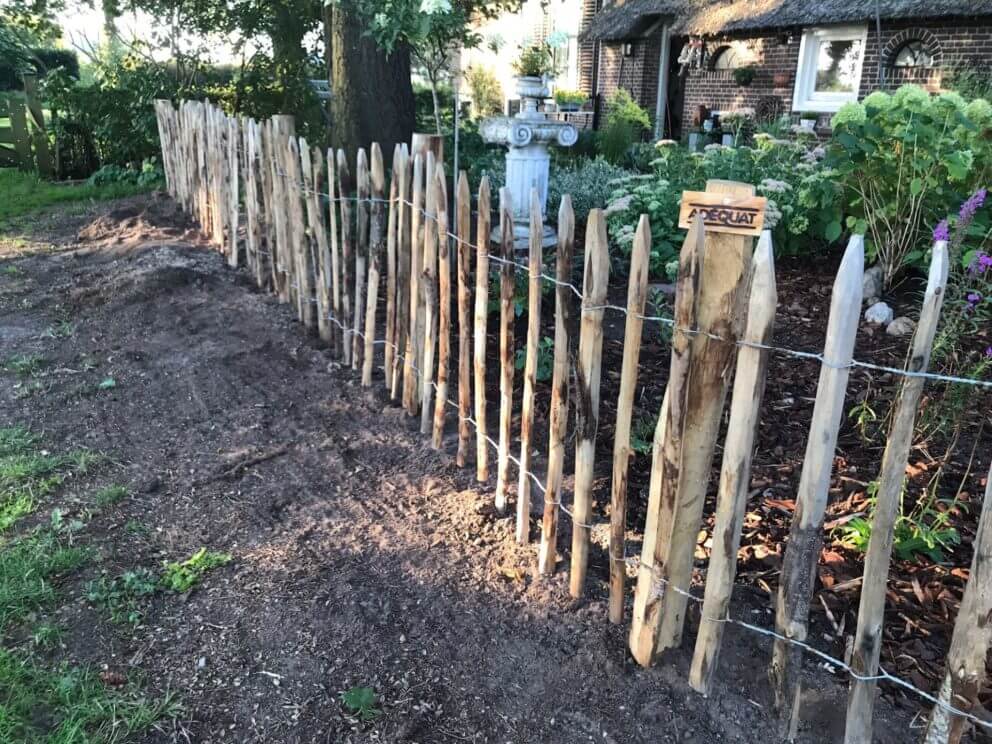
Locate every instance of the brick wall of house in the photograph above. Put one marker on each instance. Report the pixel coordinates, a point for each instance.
(587, 49)
(636, 72)
(776, 57)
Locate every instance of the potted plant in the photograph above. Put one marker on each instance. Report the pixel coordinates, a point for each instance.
(534, 67)
(744, 76)
(808, 119)
(569, 100)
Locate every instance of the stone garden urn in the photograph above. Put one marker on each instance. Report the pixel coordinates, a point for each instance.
(528, 136)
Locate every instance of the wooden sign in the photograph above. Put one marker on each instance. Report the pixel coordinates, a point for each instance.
(723, 213)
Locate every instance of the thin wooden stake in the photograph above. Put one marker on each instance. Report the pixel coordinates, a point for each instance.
(637, 293)
(871, 612)
(415, 340)
(588, 370)
(390, 345)
(481, 319)
(347, 257)
(428, 299)
(965, 673)
(805, 537)
(564, 314)
(302, 263)
(402, 278)
(444, 309)
(313, 169)
(377, 241)
(505, 348)
(464, 253)
(530, 366)
(332, 214)
(362, 185)
(735, 473)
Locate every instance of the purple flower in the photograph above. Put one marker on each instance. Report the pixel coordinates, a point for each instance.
(988, 352)
(974, 203)
(942, 231)
(974, 298)
(984, 262)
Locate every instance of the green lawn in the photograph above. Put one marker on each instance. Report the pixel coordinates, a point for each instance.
(22, 193)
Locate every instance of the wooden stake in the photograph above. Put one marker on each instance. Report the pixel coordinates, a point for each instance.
(871, 613)
(505, 348)
(530, 366)
(697, 399)
(281, 127)
(376, 247)
(347, 258)
(302, 264)
(363, 185)
(390, 345)
(564, 314)
(464, 318)
(637, 293)
(481, 318)
(735, 473)
(428, 299)
(313, 170)
(415, 340)
(233, 205)
(805, 538)
(444, 305)
(965, 674)
(403, 278)
(594, 286)
(332, 214)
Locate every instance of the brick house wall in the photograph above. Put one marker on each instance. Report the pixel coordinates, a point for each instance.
(588, 49)
(636, 72)
(776, 57)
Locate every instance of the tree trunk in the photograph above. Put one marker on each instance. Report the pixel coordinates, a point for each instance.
(373, 96)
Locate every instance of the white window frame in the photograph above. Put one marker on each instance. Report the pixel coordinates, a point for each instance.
(805, 97)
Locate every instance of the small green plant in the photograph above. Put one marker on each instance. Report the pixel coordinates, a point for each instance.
(744, 76)
(122, 596)
(46, 635)
(572, 98)
(864, 418)
(545, 359)
(136, 528)
(62, 329)
(361, 702)
(536, 60)
(25, 365)
(108, 383)
(11, 270)
(183, 576)
(485, 91)
(110, 495)
(642, 434)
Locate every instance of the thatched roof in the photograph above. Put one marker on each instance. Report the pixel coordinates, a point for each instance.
(707, 17)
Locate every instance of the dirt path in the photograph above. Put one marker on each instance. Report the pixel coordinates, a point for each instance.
(361, 557)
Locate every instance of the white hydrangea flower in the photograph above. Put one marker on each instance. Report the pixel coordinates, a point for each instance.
(773, 215)
(620, 205)
(771, 186)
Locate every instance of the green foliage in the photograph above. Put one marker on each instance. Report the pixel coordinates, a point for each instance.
(183, 576)
(566, 97)
(545, 359)
(590, 184)
(626, 123)
(970, 81)
(25, 193)
(148, 177)
(864, 417)
(110, 495)
(621, 106)
(535, 60)
(905, 161)
(485, 91)
(642, 434)
(122, 596)
(361, 702)
(25, 365)
(744, 76)
(37, 60)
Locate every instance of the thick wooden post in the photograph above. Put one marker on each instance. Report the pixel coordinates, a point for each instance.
(403, 244)
(332, 224)
(964, 677)
(506, 280)
(530, 366)
(313, 169)
(735, 473)
(362, 187)
(587, 372)
(390, 346)
(376, 247)
(564, 312)
(697, 391)
(637, 294)
(444, 309)
(233, 205)
(428, 299)
(280, 128)
(464, 254)
(805, 538)
(300, 242)
(481, 319)
(871, 613)
(415, 339)
(347, 257)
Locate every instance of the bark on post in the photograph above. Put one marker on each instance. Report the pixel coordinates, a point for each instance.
(302, 263)
(735, 473)
(481, 320)
(377, 238)
(428, 299)
(403, 244)
(587, 372)
(871, 612)
(347, 258)
(313, 169)
(444, 308)
(233, 195)
(637, 293)
(530, 366)
(805, 537)
(506, 280)
(281, 127)
(698, 388)
(332, 223)
(564, 312)
(964, 677)
(415, 339)
(362, 188)
(464, 318)
(390, 336)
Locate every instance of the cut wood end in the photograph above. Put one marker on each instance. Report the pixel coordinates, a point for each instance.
(378, 171)
(939, 267)
(463, 189)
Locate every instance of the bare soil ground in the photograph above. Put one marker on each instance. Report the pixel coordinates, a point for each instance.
(361, 556)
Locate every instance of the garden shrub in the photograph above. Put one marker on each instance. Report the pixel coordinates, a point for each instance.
(485, 91)
(626, 123)
(904, 160)
(589, 183)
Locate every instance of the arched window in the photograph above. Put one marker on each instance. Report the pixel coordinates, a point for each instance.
(913, 54)
(728, 58)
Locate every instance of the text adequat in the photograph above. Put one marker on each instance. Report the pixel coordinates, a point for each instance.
(722, 213)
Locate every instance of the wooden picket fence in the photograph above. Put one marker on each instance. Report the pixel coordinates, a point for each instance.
(328, 246)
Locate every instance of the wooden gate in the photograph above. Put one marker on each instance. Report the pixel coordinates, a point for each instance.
(23, 139)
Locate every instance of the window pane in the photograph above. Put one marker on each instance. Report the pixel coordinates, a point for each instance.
(837, 66)
(913, 55)
(728, 59)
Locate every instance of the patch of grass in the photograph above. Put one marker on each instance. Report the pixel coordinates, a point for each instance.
(110, 495)
(46, 635)
(642, 435)
(183, 576)
(61, 329)
(361, 702)
(24, 365)
(134, 527)
(10, 270)
(122, 596)
(25, 193)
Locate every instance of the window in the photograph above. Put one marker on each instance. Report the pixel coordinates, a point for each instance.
(912, 54)
(829, 72)
(728, 58)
